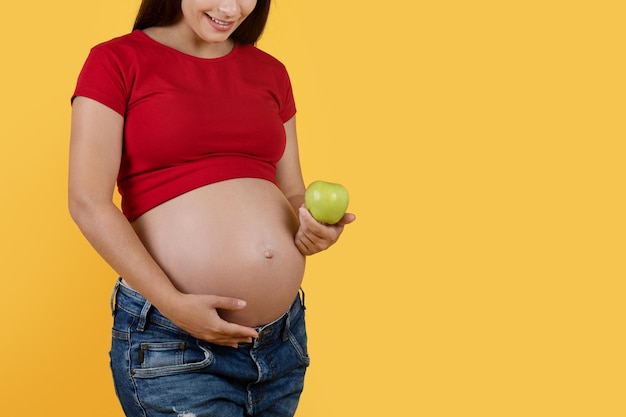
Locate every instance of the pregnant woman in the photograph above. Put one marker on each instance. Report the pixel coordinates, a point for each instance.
(197, 128)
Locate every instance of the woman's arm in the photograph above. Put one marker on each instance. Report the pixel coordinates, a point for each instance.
(95, 154)
(312, 236)
(288, 170)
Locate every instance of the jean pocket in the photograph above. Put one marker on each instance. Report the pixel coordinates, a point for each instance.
(170, 358)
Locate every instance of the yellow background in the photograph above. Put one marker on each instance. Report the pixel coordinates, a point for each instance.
(483, 146)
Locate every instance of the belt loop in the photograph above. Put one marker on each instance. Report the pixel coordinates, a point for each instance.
(287, 326)
(143, 316)
(285, 332)
(302, 299)
(114, 296)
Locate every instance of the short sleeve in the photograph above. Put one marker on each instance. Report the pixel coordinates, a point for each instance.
(288, 105)
(102, 79)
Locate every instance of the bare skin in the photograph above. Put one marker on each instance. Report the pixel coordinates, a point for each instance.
(234, 238)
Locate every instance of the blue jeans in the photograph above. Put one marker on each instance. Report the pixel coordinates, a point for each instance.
(160, 370)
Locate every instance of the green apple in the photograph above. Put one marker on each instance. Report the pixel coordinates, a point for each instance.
(326, 201)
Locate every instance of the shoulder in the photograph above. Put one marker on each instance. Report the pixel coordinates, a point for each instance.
(132, 39)
(260, 57)
(123, 46)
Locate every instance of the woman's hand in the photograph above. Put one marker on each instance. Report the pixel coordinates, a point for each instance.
(313, 236)
(198, 316)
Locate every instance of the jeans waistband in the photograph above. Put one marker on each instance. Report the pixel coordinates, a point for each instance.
(279, 327)
(133, 302)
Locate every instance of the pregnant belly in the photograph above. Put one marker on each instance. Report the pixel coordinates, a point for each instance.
(233, 238)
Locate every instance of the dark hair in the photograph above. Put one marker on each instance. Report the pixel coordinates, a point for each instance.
(167, 12)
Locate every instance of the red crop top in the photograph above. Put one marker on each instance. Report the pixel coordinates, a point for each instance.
(188, 121)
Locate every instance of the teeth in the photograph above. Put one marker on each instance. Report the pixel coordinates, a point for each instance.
(219, 22)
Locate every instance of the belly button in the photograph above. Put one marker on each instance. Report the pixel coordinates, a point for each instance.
(268, 254)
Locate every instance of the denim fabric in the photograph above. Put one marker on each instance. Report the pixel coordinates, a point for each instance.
(159, 370)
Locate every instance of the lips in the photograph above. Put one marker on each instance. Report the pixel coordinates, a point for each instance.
(220, 24)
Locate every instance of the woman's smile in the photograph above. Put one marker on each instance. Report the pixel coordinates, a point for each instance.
(220, 24)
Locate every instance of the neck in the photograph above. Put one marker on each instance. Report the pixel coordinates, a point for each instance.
(183, 39)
